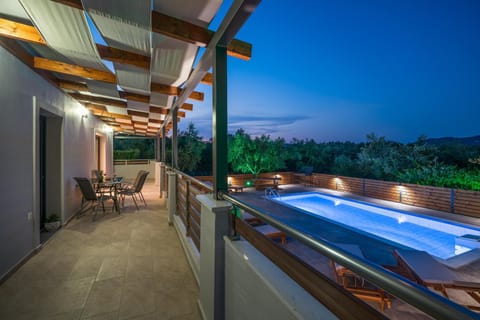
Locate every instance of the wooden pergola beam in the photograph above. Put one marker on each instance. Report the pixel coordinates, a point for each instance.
(23, 55)
(27, 33)
(191, 33)
(70, 69)
(99, 100)
(123, 57)
(184, 31)
(78, 86)
(20, 31)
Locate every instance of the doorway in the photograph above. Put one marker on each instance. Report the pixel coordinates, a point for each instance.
(50, 170)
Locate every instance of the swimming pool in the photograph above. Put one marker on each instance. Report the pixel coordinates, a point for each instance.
(440, 238)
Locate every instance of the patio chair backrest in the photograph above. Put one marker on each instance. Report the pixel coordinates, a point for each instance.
(137, 179)
(138, 187)
(86, 188)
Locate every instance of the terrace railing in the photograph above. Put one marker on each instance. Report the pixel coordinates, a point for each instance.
(320, 286)
(330, 295)
(188, 207)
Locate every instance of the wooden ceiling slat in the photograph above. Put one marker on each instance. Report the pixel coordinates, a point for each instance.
(164, 89)
(95, 107)
(207, 79)
(187, 106)
(138, 113)
(70, 69)
(180, 114)
(191, 33)
(195, 95)
(134, 97)
(155, 121)
(72, 3)
(72, 85)
(158, 110)
(99, 100)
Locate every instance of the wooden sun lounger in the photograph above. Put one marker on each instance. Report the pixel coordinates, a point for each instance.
(422, 268)
(272, 233)
(252, 220)
(342, 275)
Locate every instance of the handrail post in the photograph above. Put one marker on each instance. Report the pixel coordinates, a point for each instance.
(187, 206)
(172, 196)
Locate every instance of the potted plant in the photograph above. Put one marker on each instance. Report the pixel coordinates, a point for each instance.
(52, 222)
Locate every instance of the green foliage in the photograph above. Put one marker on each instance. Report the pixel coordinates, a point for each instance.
(52, 218)
(261, 154)
(190, 147)
(133, 148)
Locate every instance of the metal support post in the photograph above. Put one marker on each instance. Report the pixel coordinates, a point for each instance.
(174, 139)
(219, 121)
(164, 156)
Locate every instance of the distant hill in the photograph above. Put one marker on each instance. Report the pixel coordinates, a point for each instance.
(471, 141)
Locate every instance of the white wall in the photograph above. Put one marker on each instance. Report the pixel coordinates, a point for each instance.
(255, 288)
(23, 93)
(130, 171)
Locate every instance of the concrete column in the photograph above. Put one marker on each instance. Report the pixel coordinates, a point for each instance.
(157, 173)
(163, 178)
(172, 196)
(214, 226)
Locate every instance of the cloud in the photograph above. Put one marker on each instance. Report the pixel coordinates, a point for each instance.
(254, 125)
(258, 125)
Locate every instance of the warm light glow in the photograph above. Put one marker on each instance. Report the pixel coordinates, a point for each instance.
(108, 129)
(277, 176)
(229, 180)
(83, 112)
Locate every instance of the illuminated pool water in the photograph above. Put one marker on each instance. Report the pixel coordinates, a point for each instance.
(438, 237)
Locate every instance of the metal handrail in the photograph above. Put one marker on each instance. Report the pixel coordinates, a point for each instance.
(404, 289)
(201, 183)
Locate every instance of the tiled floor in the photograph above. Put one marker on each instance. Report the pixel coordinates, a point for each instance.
(127, 266)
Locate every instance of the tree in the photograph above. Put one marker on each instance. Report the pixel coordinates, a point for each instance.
(254, 156)
(190, 147)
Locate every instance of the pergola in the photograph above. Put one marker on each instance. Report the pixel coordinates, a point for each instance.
(148, 80)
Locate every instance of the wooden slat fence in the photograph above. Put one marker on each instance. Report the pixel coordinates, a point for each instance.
(463, 202)
(189, 208)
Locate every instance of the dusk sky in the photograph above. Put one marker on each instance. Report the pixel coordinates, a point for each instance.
(338, 69)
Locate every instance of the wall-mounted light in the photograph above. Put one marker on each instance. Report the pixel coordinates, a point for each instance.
(83, 112)
(229, 180)
(401, 191)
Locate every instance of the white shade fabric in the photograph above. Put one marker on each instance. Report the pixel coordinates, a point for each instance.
(73, 39)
